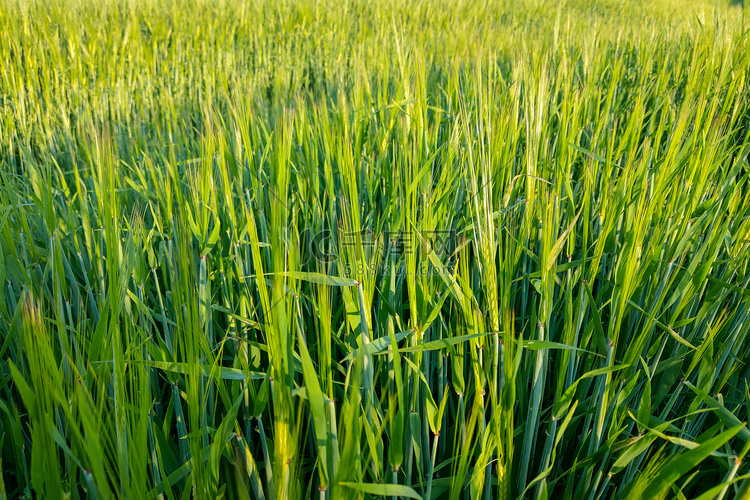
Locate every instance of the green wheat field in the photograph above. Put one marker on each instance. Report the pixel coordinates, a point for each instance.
(390, 249)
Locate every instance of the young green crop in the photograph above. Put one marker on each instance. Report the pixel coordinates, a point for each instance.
(440, 250)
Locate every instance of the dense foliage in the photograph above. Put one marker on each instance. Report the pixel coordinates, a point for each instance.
(291, 250)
